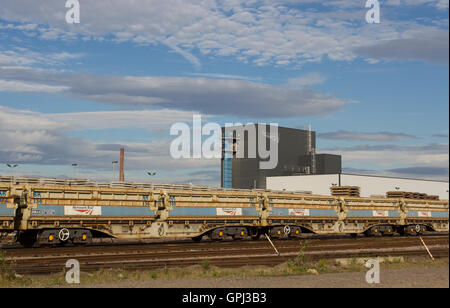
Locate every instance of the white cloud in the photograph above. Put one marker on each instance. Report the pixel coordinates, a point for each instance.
(153, 120)
(23, 120)
(394, 156)
(225, 76)
(307, 80)
(282, 33)
(17, 86)
(207, 96)
(19, 56)
(432, 47)
(440, 4)
(37, 138)
(366, 136)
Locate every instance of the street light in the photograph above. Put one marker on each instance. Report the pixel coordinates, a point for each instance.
(397, 188)
(114, 163)
(12, 166)
(74, 166)
(151, 174)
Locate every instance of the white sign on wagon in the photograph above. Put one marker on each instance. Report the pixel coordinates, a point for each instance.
(229, 211)
(78, 210)
(380, 213)
(423, 214)
(298, 212)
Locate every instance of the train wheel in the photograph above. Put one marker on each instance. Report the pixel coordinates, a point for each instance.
(217, 234)
(418, 229)
(374, 231)
(240, 234)
(388, 231)
(277, 232)
(410, 230)
(81, 237)
(48, 237)
(295, 232)
(27, 239)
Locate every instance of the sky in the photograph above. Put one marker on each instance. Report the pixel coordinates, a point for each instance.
(375, 93)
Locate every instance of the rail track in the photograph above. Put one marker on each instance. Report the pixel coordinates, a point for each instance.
(223, 254)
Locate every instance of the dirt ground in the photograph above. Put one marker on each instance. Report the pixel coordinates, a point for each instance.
(434, 277)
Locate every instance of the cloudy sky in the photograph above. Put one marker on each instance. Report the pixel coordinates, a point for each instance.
(75, 93)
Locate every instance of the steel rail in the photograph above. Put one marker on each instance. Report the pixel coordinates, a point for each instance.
(229, 261)
(222, 255)
(188, 245)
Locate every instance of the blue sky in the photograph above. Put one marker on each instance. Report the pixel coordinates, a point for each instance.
(375, 93)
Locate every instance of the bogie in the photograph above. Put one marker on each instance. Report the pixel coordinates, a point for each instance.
(413, 230)
(62, 236)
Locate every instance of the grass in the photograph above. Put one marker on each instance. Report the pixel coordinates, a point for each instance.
(300, 262)
(205, 265)
(7, 275)
(299, 265)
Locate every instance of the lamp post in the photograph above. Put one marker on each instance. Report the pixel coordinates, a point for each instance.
(12, 167)
(74, 166)
(114, 163)
(151, 174)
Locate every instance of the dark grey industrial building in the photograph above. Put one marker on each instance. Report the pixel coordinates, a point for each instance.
(296, 156)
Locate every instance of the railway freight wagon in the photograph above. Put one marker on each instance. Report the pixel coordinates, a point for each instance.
(52, 212)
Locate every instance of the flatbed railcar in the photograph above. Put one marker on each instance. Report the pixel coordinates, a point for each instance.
(55, 212)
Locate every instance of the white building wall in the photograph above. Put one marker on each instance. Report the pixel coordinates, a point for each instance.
(370, 185)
